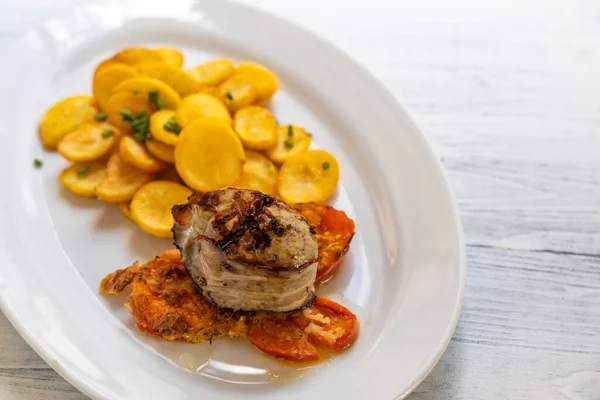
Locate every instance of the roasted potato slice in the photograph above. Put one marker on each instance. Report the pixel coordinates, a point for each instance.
(83, 178)
(259, 173)
(209, 155)
(105, 63)
(213, 72)
(164, 127)
(125, 208)
(200, 105)
(171, 56)
(135, 154)
(212, 90)
(89, 142)
(162, 151)
(144, 86)
(309, 176)
(107, 79)
(265, 81)
(121, 181)
(256, 127)
(136, 55)
(291, 140)
(181, 81)
(237, 92)
(65, 116)
(170, 174)
(126, 102)
(151, 206)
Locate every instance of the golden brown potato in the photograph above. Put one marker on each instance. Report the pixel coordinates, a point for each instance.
(89, 142)
(65, 116)
(291, 140)
(200, 105)
(121, 181)
(143, 86)
(265, 81)
(308, 176)
(171, 56)
(136, 55)
(237, 92)
(209, 155)
(162, 151)
(135, 154)
(127, 103)
(164, 127)
(107, 79)
(213, 72)
(83, 178)
(125, 209)
(256, 127)
(259, 173)
(151, 206)
(173, 76)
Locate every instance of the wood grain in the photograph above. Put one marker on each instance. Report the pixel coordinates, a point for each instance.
(508, 92)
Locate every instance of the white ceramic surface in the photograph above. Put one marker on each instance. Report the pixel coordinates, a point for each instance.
(404, 276)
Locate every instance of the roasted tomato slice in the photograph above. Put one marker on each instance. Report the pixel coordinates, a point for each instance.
(328, 324)
(334, 234)
(281, 337)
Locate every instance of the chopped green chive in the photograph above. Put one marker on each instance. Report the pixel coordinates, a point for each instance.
(171, 126)
(155, 99)
(37, 163)
(107, 133)
(229, 96)
(141, 127)
(135, 91)
(289, 144)
(326, 165)
(277, 121)
(126, 115)
(101, 116)
(83, 169)
(290, 131)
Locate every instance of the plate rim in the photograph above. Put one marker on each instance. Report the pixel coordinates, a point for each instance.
(83, 385)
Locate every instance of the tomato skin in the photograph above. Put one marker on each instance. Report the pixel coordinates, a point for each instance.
(338, 334)
(282, 338)
(334, 234)
(334, 220)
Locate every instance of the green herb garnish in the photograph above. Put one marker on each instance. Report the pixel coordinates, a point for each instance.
(290, 131)
(141, 127)
(107, 133)
(171, 126)
(289, 144)
(37, 163)
(229, 96)
(326, 165)
(155, 99)
(126, 115)
(101, 116)
(83, 169)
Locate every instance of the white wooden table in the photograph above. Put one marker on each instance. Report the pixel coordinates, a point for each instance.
(508, 91)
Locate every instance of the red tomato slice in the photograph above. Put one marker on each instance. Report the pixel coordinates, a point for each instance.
(281, 337)
(334, 234)
(328, 324)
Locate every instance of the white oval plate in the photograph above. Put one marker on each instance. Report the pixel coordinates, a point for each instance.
(404, 276)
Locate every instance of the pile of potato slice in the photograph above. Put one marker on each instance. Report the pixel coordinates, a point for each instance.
(152, 132)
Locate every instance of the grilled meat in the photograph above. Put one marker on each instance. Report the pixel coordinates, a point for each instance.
(247, 251)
